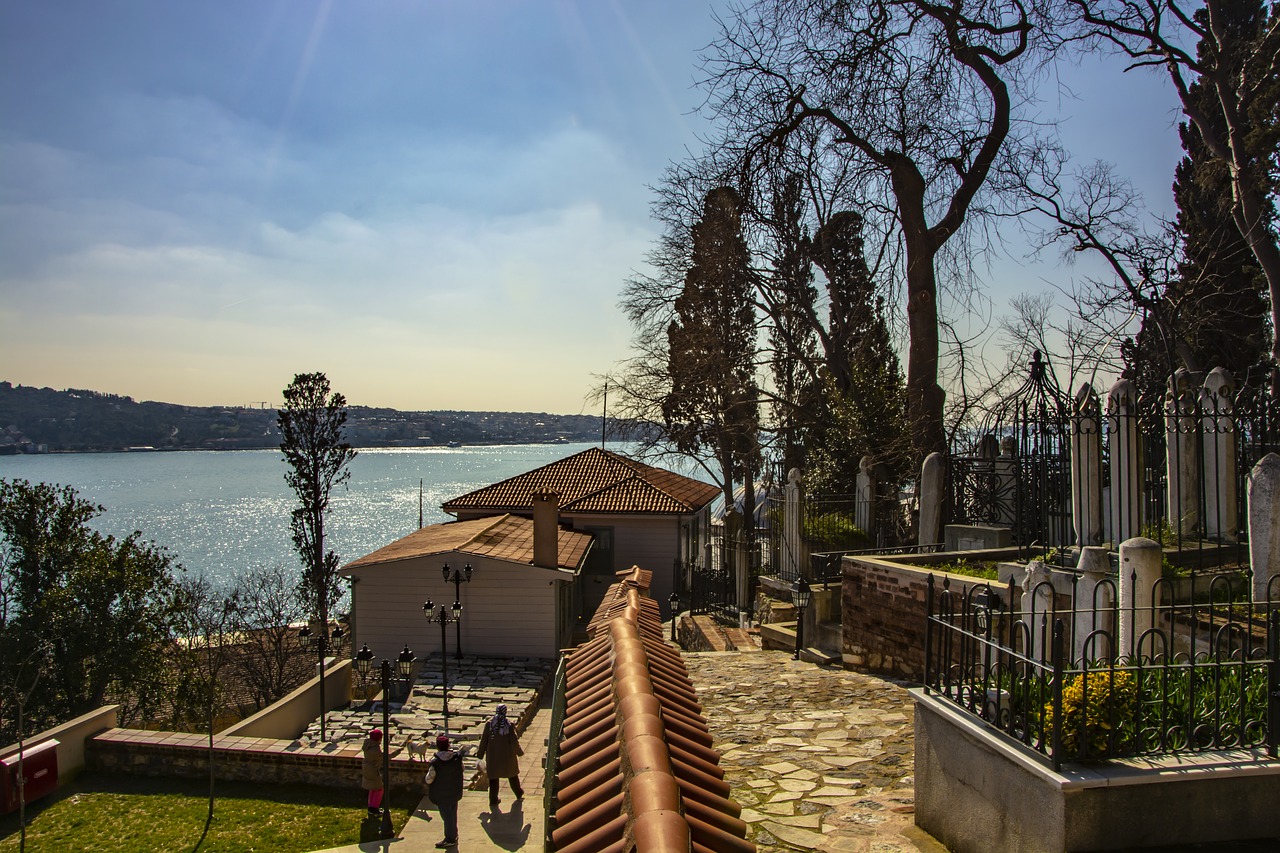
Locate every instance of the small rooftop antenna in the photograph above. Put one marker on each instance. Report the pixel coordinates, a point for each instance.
(419, 504)
(604, 413)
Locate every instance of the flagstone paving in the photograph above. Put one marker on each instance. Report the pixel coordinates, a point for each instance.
(819, 758)
(476, 687)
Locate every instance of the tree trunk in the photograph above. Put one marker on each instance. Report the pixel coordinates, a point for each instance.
(925, 397)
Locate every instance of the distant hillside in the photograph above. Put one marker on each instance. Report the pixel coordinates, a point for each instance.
(34, 420)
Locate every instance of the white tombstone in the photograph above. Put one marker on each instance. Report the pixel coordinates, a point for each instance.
(1037, 604)
(1264, 527)
(1140, 560)
(1094, 631)
(932, 485)
(1086, 467)
(864, 514)
(1217, 404)
(795, 554)
(1123, 440)
(1182, 454)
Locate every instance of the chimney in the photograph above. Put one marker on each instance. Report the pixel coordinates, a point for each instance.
(546, 530)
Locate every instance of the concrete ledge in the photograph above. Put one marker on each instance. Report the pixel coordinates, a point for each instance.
(71, 737)
(979, 790)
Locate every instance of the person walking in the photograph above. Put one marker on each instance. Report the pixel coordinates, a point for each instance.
(444, 786)
(371, 770)
(500, 749)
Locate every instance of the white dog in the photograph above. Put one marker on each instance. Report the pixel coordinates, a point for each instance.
(417, 749)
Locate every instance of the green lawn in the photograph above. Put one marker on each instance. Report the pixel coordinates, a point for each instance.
(100, 814)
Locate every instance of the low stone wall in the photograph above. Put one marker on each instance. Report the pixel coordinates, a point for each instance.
(978, 790)
(885, 606)
(147, 753)
(701, 634)
(289, 717)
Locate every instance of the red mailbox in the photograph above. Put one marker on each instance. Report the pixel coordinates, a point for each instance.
(39, 771)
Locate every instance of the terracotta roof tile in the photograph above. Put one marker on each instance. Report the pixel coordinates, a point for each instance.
(594, 480)
(503, 537)
(636, 770)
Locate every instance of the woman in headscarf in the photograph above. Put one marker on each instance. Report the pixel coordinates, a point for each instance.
(500, 748)
(371, 770)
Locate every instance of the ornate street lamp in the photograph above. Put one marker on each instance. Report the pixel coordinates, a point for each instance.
(364, 665)
(458, 578)
(404, 665)
(674, 601)
(321, 643)
(800, 594)
(444, 616)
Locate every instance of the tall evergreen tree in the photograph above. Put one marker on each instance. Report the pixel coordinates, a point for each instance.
(1216, 311)
(793, 344)
(712, 407)
(313, 442)
(1221, 295)
(861, 398)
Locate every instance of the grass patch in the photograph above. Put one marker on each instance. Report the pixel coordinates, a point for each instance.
(101, 814)
(977, 569)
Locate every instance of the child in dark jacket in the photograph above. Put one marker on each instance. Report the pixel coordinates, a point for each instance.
(444, 786)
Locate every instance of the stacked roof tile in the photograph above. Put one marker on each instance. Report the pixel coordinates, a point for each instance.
(594, 480)
(636, 769)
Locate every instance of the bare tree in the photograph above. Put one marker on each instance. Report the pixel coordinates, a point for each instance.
(204, 654)
(917, 97)
(270, 662)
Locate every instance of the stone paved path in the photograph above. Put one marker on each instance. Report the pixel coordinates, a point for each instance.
(476, 687)
(819, 758)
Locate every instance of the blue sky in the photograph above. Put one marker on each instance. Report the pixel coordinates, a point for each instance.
(436, 202)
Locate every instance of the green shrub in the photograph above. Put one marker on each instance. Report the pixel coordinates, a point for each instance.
(835, 531)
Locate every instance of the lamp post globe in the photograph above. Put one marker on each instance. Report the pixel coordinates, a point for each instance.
(364, 665)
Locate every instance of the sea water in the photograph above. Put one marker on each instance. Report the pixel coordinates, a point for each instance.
(221, 512)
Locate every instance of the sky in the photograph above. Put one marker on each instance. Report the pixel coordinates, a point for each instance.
(434, 202)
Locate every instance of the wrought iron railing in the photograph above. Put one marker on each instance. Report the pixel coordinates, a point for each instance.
(1171, 464)
(1201, 675)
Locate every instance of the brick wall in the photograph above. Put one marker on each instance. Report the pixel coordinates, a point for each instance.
(148, 753)
(884, 608)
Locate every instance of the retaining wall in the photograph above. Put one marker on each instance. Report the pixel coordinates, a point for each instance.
(147, 753)
(71, 737)
(885, 605)
(978, 790)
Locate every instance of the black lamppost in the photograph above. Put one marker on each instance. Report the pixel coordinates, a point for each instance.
(404, 665)
(386, 830)
(321, 642)
(444, 616)
(458, 579)
(674, 601)
(364, 664)
(800, 593)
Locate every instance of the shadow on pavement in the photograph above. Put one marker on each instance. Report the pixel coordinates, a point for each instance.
(508, 830)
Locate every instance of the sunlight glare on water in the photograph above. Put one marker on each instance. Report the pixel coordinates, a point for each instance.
(219, 512)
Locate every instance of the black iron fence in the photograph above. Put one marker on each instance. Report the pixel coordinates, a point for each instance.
(831, 527)
(1202, 673)
(1171, 465)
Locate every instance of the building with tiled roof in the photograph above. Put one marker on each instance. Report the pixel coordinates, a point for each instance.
(638, 515)
(518, 602)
